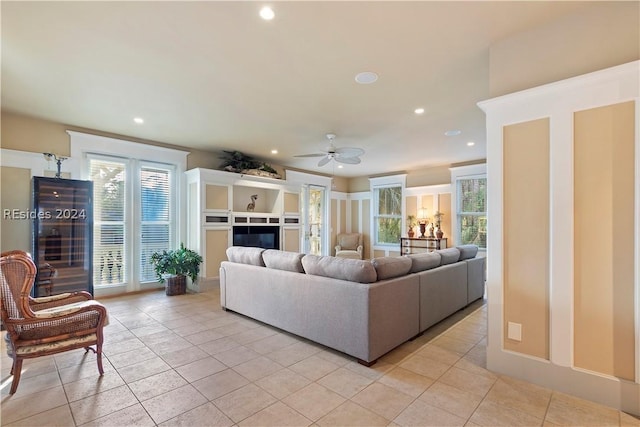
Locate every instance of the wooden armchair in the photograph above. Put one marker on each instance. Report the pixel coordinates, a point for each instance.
(42, 326)
(349, 245)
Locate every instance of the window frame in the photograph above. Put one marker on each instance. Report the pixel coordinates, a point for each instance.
(83, 145)
(375, 185)
(173, 202)
(458, 202)
(126, 233)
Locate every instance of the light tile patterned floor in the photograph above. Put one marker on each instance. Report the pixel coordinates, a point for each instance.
(182, 361)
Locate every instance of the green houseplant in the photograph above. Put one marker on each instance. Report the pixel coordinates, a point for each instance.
(411, 222)
(175, 265)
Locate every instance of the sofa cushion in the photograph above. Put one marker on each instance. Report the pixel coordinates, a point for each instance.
(425, 261)
(389, 267)
(282, 260)
(467, 251)
(353, 270)
(245, 255)
(449, 255)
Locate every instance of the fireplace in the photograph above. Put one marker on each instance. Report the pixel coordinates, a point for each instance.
(259, 236)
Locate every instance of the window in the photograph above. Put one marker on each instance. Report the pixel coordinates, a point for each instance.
(126, 209)
(387, 215)
(155, 217)
(137, 206)
(472, 210)
(108, 178)
(387, 200)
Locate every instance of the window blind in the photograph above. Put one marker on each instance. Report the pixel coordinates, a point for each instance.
(109, 226)
(155, 216)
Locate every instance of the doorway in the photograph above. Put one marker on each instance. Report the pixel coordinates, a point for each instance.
(315, 227)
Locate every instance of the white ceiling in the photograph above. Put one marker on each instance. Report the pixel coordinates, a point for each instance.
(214, 76)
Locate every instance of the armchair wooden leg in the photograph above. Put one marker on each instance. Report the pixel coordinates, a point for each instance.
(99, 357)
(16, 370)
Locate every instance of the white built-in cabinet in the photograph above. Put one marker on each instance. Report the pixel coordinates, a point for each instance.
(218, 200)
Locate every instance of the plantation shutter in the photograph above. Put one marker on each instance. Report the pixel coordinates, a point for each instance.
(109, 220)
(155, 216)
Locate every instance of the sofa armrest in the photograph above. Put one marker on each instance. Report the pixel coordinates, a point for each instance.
(359, 249)
(338, 248)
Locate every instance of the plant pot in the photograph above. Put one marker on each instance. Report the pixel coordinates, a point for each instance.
(410, 232)
(176, 285)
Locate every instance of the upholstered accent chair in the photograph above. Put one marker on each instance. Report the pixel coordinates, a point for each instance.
(349, 245)
(48, 325)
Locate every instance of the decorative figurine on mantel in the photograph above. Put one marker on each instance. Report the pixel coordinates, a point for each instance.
(423, 227)
(252, 206)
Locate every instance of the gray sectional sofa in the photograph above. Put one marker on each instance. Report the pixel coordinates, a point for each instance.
(364, 308)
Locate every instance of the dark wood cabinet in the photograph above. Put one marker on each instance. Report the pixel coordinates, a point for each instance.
(62, 235)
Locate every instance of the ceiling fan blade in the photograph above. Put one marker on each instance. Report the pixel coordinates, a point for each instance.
(349, 151)
(348, 160)
(324, 161)
(311, 155)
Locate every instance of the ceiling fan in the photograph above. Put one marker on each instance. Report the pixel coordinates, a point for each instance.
(348, 155)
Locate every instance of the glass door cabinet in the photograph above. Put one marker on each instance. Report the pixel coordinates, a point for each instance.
(62, 235)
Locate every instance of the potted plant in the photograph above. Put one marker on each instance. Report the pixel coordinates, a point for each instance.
(412, 221)
(438, 217)
(235, 161)
(174, 265)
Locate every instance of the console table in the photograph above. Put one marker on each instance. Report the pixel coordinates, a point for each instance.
(416, 245)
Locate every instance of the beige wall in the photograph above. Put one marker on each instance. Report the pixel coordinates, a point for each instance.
(366, 226)
(358, 184)
(356, 216)
(333, 213)
(445, 207)
(415, 178)
(428, 176)
(31, 134)
(339, 183)
(604, 240)
(15, 185)
(526, 236)
(593, 38)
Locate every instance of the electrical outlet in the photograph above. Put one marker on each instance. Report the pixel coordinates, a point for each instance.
(514, 331)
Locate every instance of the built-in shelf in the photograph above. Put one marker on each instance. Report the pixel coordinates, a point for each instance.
(267, 201)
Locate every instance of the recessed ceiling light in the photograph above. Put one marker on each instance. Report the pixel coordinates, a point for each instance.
(471, 143)
(274, 151)
(366, 77)
(419, 110)
(454, 132)
(267, 13)
(138, 120)
(340, 166)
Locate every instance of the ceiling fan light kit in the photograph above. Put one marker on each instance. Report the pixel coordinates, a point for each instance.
(347, 155)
